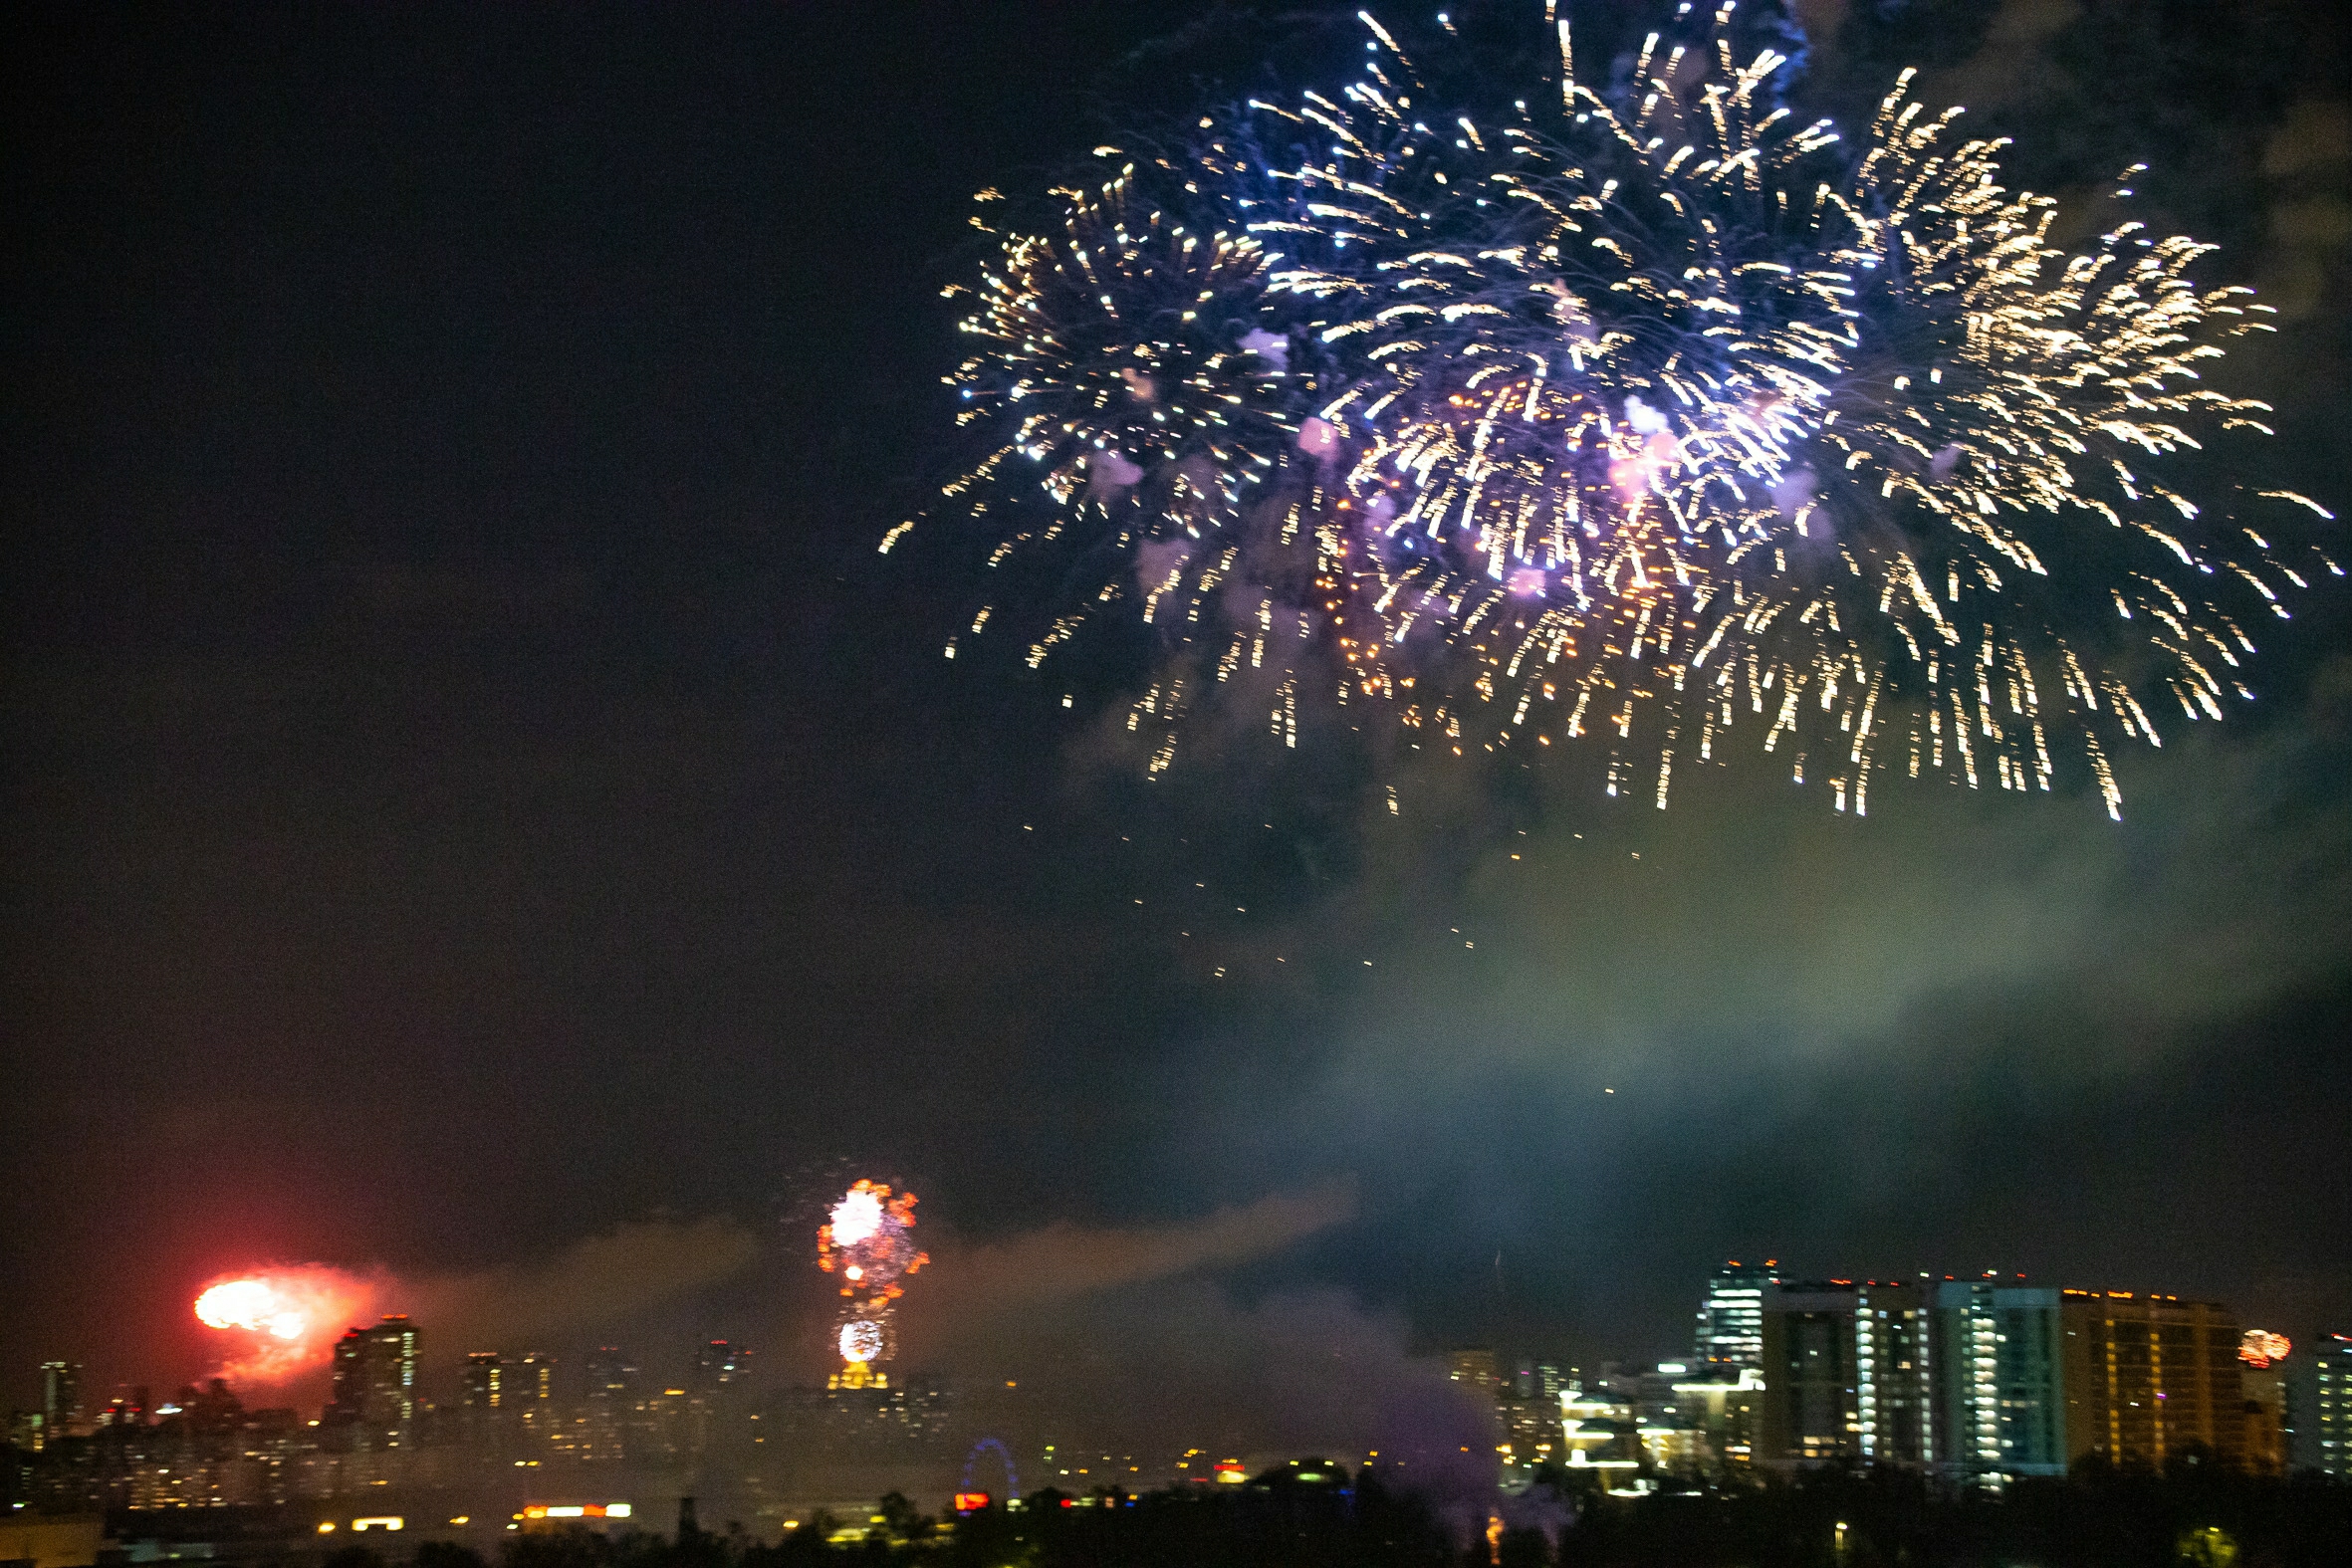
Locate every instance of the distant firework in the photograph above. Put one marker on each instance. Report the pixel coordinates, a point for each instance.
(2258, 1347)
(1631, 415)
(862, 1341)
(869, 1243)
(285, 1319)
(250, 1304)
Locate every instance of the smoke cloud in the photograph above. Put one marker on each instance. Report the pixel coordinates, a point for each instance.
(588, 1286)
(1063, 1260)
(1122, 1340)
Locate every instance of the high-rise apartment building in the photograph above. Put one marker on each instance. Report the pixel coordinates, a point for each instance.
(2330, 1449)
(531, 1389)
(716, 1365)
(2267, 1434)
(611, 1374)
(1807, 1338)
(1731, 1318)
(60, 1398)
(485, 1381)
(1474, 1368)
(610, 1418)
(2000, 1376)
(1538, 1380)
(2150, 1379)
(375, 1377)
(1894, 1364)
(1848, 1375)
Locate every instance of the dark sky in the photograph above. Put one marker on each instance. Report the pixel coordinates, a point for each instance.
(471, 784)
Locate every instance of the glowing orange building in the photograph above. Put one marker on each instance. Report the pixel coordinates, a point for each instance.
(2151, 1378)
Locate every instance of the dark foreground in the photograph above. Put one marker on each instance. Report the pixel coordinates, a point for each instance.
(2092, 1522)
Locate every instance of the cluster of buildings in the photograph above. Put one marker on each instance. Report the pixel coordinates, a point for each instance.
(514, 1417)
(1976, 1381)
(1979, 1381)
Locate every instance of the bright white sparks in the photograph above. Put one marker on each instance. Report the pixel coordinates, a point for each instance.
(1634, 419)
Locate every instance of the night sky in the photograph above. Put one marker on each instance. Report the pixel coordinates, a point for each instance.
(473, 789)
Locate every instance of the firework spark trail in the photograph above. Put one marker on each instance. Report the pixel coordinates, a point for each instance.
(1633, 416)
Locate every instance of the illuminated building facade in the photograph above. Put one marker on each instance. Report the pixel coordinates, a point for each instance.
(597, 1518)
(1540, 1380)
(485, 1381)
(61, 1408)
(1681, 1452)
(61, 1397)
(716, 1365)
(1528, 1405)
(2151, 1378)
(1473, 1368)
(1725, 1410)
(1808, 1416)
(2000, 1376)
(2331, 1424)
(1731, 1318)
(375, 1377)
(531, 1390)
(1894, 1384)
(608, 1421)
(1847, 1369)
(1598, 1433)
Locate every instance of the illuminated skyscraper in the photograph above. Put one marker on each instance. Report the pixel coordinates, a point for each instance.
(2001, 1392)
(2331, 1425)
(375, 1377)
(485, 1381)
(1730, 1319)
(61, 1397)
(531, 1387)
(610, 1419)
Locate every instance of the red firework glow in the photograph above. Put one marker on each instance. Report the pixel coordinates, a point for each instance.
(283, 1320)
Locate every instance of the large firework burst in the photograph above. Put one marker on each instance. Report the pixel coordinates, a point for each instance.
(1634, 414)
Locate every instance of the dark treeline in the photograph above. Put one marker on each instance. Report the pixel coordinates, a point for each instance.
(2096, 1519)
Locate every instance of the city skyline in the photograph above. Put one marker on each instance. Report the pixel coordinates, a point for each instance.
(1963, 1378)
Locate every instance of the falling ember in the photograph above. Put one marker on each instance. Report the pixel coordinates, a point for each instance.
(281, 1320)
(1646, 395)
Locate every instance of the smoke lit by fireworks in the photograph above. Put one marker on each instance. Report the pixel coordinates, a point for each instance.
(1636, 416)
(869, 1243)
(282, 1322)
